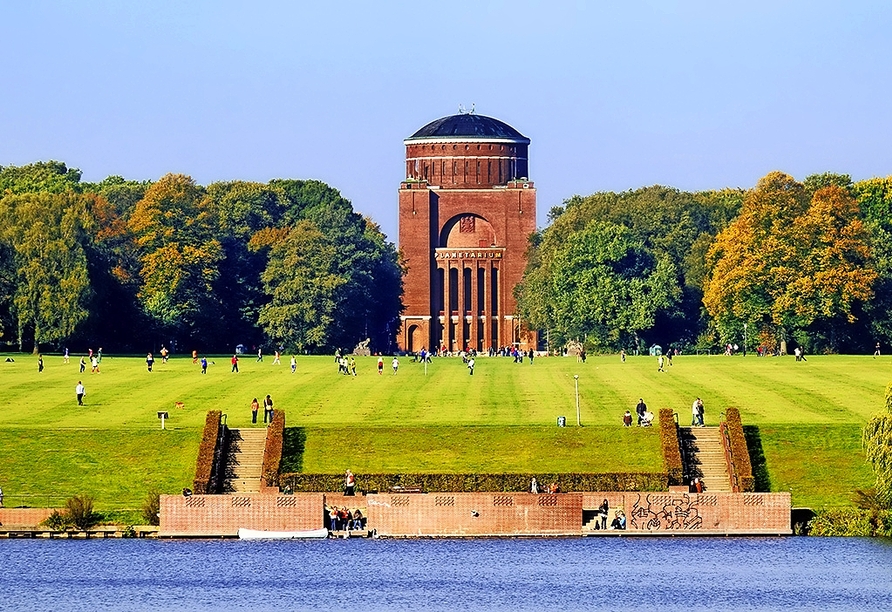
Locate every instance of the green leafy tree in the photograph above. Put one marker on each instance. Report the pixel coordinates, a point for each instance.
(303, 280)
(47, 235)
(605, 286)
(877, 441)
(39, 177)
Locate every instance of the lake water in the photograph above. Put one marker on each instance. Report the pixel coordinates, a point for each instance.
(640, 574)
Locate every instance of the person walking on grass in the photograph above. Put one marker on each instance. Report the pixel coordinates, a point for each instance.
(471, 366)
(80, 392)
(395, 364)
(380, 365)
(876, 352)
(277, 360)
(83, 364)
(39, 364)
(293, 364)
(234, 362)
(255, 407)
(204, 365)
(660, 364)
(150, 361)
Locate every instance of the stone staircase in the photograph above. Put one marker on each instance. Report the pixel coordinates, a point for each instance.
(244, 461)
(704, 456)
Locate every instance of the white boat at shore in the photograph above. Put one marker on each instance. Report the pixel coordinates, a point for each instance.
(257, 534)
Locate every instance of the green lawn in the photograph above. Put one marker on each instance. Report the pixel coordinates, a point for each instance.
(808, 418)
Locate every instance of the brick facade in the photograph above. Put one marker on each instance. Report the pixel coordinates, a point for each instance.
(475, 514)
(222, 515)
(466, 211)
(23, 517)
(483, 514)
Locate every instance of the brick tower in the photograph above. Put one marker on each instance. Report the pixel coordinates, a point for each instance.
(467, 210)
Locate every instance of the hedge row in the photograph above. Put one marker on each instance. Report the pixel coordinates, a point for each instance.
(740, 456)
(272, 451)
(671, 451)
(472, 483)
(204, 465)
(851, 522)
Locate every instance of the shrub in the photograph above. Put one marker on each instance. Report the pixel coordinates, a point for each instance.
(671, 451)
(851, 522)
(80, 511)
(470, 483)
(151, 508)
(204, 465)
(740, 456)
(272, 450)
(57, 521)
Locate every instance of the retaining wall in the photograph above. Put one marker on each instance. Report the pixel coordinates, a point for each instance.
(222, 515)
(483, 514)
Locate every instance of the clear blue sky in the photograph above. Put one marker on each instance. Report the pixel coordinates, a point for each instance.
(614, 95)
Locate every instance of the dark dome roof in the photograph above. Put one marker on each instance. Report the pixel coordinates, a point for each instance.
(469, 126)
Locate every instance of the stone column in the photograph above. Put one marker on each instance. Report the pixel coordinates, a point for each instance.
(460, 325)
(447, 308)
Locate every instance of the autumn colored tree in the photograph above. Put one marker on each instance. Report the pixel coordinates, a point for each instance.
(179, 256)
(789, 263)
(47, 235)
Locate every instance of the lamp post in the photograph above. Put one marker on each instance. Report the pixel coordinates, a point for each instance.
(744, 339)
(576, 381)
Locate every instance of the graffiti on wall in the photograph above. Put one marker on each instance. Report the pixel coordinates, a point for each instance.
(662, 512)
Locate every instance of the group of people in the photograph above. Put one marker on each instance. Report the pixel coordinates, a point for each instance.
(551, 489)
(267, 410)
(342, 519)
(645, 416)
(603, 512)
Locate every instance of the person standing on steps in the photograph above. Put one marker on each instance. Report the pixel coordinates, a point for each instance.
(697, 413)
(255, 408)
(80, 392)
(268, 409)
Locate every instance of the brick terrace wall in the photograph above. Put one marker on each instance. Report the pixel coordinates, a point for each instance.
(673, 512)
(222, 515)
(23, 517)
(453, 514)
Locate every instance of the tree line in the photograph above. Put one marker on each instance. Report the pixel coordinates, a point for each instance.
(134, 264)
(804, 262)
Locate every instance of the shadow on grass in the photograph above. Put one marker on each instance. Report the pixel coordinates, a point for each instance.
(294, 441)
(757, 458)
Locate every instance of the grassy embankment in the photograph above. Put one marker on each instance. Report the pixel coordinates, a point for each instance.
(806, 416)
